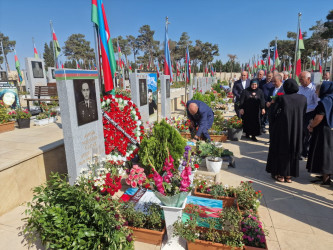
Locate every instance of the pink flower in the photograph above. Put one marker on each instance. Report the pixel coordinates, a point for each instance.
(140, 182)
(128, 182)
(130, 177)
(136, 177)
(133, 184)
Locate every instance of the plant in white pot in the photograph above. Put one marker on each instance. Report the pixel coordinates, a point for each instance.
(213, 156)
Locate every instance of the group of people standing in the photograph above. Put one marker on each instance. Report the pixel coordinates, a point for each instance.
(300, 121)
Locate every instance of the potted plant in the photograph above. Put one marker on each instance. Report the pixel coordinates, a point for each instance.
(41, 119)
(235, 128)
(247, 197)
(217, 191)
(23, 118)
(213, 156)
(148, 225)
(6, 123)
(254, 236)
(229, 236)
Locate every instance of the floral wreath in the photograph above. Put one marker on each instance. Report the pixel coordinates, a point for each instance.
(118, 148)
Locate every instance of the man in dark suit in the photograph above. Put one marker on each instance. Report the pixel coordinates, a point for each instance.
(266, 86)
(238, 88)
(87, 109)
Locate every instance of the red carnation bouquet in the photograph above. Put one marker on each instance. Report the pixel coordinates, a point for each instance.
(277, 95)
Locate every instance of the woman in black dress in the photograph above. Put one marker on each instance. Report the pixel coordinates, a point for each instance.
(286, 134)
(252, 104)
(321, 145)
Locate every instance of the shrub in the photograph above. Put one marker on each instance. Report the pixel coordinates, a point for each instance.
(75, 217)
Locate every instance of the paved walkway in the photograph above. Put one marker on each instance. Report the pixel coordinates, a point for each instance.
(298, 215)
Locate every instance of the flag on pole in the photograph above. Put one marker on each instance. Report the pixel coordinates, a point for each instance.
(167, 58)
(290, 66)
(269, 61)
(188, 66)
(313, 64)
(158, 69)
(55, 44)
(35, 51)
(320, 67)
(17, 66)
(98, 17)
(276, 57)
(298, 60)
(119, 56)
(284, 66)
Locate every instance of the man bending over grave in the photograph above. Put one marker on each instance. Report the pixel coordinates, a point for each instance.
(202, 118)
(87, 109)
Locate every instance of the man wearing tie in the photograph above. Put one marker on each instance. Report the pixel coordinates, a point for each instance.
(238, 88)
(87, 109)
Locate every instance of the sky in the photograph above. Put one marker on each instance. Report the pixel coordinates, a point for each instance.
(241, 27)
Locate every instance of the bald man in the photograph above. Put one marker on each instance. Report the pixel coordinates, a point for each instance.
(261, 74)
(201, 117)
(238, 88)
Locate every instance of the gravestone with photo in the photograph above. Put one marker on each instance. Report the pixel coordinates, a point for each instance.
(139, 94)
(165, 96)
(9, 95)
(35, 74)
(79, 99)
(51, 75)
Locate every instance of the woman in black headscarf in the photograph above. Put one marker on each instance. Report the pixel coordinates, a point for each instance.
(252, 104)
(321, 145)
(286, 134)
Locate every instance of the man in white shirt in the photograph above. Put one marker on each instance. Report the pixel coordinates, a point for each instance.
(308, 89)
(238, 88)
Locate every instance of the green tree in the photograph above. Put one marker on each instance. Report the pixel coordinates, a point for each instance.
(218, 65)
(70, 64)
(134, 45)
(147, 43)
(77, 48)
(8, 46)
(180, 49)
(124, 46)
(328, 33)
(48, 55)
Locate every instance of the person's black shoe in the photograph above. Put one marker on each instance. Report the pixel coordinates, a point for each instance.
(254, 138)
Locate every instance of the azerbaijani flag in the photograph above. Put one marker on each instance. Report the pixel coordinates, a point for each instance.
(188, 66)
(313, 64)
(284, 66)
(269, 61)
(98, 17)
(158, 69)
(17, 66)
(119, 56)
(55, 44)
(298, 59)
(290, 66)
(35, 51)
(320, 67)
(276, 56)
(167, 58)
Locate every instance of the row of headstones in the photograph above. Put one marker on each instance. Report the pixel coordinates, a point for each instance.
(201, 84)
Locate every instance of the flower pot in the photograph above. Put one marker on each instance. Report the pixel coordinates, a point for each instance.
(235, 134)
(185, 135)
(227, 201)
(176, 201)
(255, 248)
(148, 236)
(23, 123)
(171, 215)
(214, 166)
(207, 245)
(41, 122)
(218, 138)
(8, 126)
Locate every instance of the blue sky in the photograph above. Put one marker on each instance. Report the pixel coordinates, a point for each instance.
(238, 27)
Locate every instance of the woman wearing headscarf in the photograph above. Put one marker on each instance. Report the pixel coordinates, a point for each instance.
(321, 146)
(286, 134)
(252, 104)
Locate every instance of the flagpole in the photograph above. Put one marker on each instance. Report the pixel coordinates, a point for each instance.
(97, 56)
(296, 47)
(54, 55)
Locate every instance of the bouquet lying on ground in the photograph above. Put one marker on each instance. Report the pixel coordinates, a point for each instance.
(173, 186)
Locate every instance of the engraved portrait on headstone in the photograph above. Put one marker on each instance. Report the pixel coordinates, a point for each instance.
(167, 86)
(85, 100)
(37, 69)
(143, 91)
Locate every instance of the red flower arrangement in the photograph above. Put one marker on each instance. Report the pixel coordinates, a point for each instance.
(124, 112)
